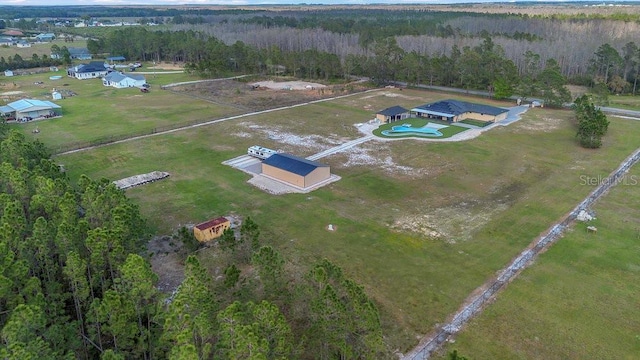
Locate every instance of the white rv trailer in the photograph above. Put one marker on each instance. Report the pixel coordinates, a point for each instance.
(260, 152)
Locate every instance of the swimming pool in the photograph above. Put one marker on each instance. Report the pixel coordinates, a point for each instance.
(406, 129)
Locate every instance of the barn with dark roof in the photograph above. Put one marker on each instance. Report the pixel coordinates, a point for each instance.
(456, 110)
(295, 170)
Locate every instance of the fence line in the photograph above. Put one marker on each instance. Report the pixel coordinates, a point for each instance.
(426, 348)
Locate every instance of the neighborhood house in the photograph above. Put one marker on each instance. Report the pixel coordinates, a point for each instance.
(29, 109)
(456, 110)
(48, 37)
(120, 80)
(211, 229)
(92, 70)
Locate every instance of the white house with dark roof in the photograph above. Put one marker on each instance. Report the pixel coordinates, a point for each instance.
(23, 44)
(29, 109)
(92, 70)
(121, 80)
(456, 110)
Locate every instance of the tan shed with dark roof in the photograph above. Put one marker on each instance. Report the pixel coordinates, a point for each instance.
(211, 229)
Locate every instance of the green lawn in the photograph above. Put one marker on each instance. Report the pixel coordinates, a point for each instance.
(37, 48)
(580, 298)
(491, 196)
(627, 102)
(99, 113)
(449, 131)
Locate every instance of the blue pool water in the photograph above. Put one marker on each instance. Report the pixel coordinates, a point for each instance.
(405, 129)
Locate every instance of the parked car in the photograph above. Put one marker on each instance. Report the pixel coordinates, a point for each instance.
(144, 90)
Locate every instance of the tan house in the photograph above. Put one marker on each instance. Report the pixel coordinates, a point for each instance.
(295, 171)
(392, 114)
(211, 229)
(456, 110)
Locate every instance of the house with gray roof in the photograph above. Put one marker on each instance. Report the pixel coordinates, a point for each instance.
(45, 37)
(456, 110)
(122, 80)
(29, 109)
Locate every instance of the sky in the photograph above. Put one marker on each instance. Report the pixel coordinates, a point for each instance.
(235, 2)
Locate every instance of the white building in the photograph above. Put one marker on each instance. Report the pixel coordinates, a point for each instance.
(121, 80)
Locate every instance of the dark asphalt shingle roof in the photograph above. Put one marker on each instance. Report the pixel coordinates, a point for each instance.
(392, 111)
(457, 107)
(293, 164)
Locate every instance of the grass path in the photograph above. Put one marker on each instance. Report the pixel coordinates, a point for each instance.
(487, 292)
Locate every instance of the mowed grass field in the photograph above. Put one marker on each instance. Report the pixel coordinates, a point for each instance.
(38, 49)
(579, 300)
(485, 199)
(98, 112)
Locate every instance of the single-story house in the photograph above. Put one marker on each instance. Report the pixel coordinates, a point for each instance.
(45, 37)
(23, 44)
(6, 41)
(92, 70)
(392, 114)
(79, 53)
(211, 229)
(121, 80)
(8, 73)
(456, 110)
(29, 108)
(294, 170)
(56, 95)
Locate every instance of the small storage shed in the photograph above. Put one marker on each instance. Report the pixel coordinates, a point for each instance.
(211, 229)
(392, 114)
(295, 170)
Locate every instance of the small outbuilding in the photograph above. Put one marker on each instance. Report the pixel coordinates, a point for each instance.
(211, 229)
(295, 170)
(8, 73)
(392, 114)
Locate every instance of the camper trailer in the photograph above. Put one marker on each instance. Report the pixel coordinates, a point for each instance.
(260, 152)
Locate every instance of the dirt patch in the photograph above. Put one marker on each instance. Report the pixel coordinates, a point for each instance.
(288, 85)
(166, 262)
(167, 66)
(545, 124)
(250, 98)
(451, 224)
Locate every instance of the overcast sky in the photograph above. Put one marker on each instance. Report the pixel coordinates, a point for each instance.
(228, 2)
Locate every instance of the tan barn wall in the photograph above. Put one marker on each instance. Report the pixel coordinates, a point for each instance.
(318, 175)
(381, 118)
(211, 233)
(476, 116)
(501, 116)
(282, 175)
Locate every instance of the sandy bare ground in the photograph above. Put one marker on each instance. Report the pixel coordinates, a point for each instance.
(289, 85)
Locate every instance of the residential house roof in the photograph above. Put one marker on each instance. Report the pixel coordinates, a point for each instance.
(45, 36)
(116, 58)
(293, 164)
(211, 223)
(78, 51)
(457, 107)
(116, 76)
(25, 104)
(392, 111)
(91, 67)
